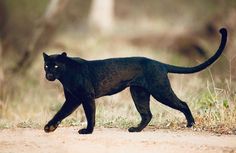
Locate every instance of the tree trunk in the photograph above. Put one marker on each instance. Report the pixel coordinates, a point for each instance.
(43, 34)
(101, 15)
(2, 24)
(1, 68)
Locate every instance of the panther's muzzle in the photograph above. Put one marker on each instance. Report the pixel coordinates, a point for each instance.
(50, 77)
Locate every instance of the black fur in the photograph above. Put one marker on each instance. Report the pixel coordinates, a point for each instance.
(84, 81)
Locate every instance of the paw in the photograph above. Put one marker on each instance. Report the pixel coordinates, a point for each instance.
(85, 131)
(134, 129)
(189, 125)
(50, 127)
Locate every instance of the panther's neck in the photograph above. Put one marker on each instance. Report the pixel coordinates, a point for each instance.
(67, 75)
(73, 72)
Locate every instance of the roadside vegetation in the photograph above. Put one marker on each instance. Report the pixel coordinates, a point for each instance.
(180, 33)
(33, 100)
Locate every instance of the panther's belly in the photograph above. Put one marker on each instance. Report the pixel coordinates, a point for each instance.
(108, 89)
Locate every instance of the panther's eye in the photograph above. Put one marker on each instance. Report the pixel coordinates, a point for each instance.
(56, 66)
(46, 66)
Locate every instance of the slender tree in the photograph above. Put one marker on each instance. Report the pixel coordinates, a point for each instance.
(43, 33)
(101, 16)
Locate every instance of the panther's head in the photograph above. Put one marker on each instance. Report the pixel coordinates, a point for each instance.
(54, 65)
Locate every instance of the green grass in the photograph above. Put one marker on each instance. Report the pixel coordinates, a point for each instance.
(30, 101)
(213, 108)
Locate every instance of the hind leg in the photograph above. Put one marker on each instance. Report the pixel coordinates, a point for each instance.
(165, 95)
(141, 100)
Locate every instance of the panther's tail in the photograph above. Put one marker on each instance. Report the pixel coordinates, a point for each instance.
(178, 69)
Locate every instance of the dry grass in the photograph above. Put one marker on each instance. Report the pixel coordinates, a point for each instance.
(31, 101)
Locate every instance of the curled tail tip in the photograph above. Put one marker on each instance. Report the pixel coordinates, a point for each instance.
(223, 31)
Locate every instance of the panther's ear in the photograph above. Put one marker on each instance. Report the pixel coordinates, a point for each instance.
(64, 54)
(45, 56)
(62, 57)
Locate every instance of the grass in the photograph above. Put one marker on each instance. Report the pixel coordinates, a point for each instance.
(30, 101)
(213, 108)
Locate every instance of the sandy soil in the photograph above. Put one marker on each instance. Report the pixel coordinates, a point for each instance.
(67, 140)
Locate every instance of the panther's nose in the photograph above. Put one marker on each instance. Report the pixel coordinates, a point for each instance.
(49, 75)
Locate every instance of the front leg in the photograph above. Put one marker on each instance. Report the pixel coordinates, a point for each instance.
(89, 109)
(68, 107)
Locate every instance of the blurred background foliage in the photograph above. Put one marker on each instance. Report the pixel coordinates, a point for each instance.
(179, 32)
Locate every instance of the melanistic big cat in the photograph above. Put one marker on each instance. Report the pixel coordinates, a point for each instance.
(84, 81)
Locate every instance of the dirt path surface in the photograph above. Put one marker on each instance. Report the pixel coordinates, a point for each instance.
(67, 140)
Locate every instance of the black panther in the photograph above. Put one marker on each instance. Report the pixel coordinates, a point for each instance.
(84, 81)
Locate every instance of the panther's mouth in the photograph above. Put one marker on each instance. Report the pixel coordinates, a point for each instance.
(50, 77)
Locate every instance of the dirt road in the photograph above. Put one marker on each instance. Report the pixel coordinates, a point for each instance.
(67, 140)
